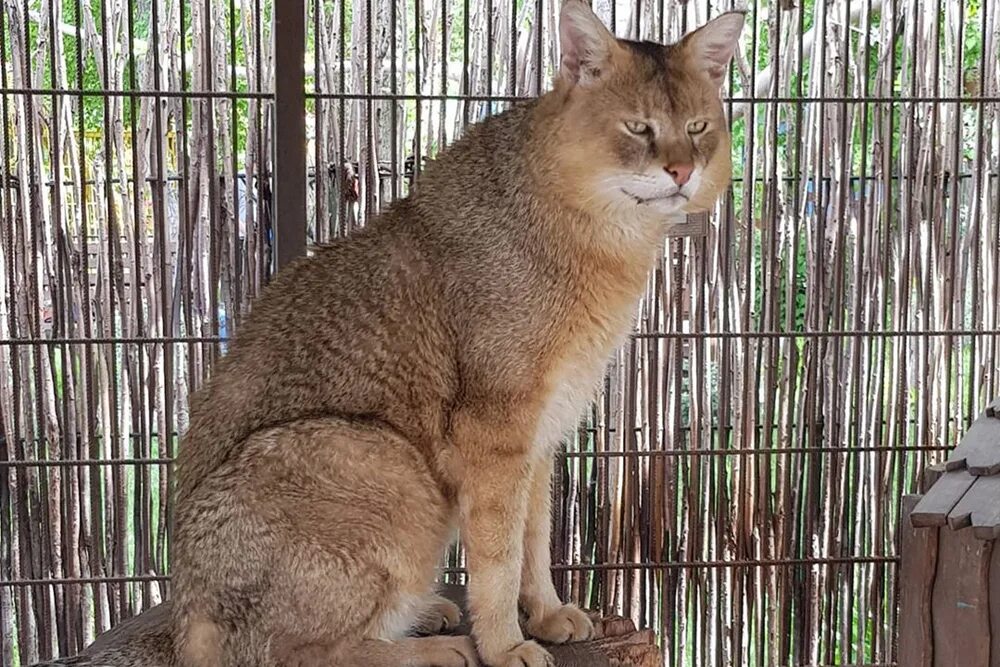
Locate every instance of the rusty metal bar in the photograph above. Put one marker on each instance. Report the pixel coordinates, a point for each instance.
(584, 567)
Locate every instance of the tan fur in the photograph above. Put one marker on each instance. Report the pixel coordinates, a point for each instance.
(415, 378)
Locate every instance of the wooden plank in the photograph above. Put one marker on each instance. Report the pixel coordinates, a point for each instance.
(934, 506)
(145, 640)
(960, 609)
(995, 606)
(979, 508)
(979, 449)
(918, 551)
(930, 476)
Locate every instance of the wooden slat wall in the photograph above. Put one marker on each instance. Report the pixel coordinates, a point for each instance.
(949, 596)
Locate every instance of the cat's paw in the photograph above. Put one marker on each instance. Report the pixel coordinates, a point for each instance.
(563, 624)
(440, 615)
(446, 652)
(525, 654)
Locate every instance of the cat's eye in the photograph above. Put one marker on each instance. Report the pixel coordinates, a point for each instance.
(696, 126)
(637, 127)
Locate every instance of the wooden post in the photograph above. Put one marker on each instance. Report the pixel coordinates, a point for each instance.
(949, 574)
(289, 131)
(916, 581)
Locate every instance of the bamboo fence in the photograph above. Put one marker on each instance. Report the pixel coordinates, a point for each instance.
(736, 485)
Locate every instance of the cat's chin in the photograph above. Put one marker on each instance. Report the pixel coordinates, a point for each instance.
(664, 208)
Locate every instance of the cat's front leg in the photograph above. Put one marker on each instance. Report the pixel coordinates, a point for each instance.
(493, 500)
(548, 618)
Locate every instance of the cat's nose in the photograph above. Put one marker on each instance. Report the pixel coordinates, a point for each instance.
(680, 172)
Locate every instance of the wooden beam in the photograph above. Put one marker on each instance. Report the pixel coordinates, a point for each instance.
(934, 507)
(289, 132)
(960, 605)
(979, 449)
(918, 553)
(979, 508)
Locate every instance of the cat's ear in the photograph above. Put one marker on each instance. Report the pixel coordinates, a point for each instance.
(585, 44)
(712, 46)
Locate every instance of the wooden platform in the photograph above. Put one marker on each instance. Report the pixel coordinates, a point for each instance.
(617, 644)
(949, 612)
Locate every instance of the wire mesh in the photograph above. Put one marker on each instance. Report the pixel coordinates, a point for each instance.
(136, 151)
(735, 486)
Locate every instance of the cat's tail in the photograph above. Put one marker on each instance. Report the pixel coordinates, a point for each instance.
(156, 649)
(201, 642)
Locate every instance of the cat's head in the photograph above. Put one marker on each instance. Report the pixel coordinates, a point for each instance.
(642, 124)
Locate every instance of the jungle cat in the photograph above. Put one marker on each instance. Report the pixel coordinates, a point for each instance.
(416, 377)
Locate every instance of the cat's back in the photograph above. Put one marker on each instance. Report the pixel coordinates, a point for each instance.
(369, 326)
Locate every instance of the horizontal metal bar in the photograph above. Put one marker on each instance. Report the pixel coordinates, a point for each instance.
(750, 335)
(84, 463)
(684, 335)
(558, 567)
(831, 99)
(714, 564)
(112, 340)
(749, 451)
(67, 581)
(634, 454)
(91, 92)
(100, 437)
(746, 562)
(403, 97)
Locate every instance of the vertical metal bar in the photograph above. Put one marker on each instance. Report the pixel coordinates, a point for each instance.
(372, 180)
(16, 501)
(84, 478)
(539, 28)
(854, 400)
(34, 218)
(62, 302)
(166, 425)
(936, 165)
(727, 242)
(953, 384)
(236, 262)
(116, 490)
(443, 109)
(394, 102)
(141, 443)
(748, 577)
(261, 171)
(289, 131)
(887, 212)
(466, 72)
(974, 398)
(321, 227)
(951, 306)
(186, 222)
(342, 170)
(489, 55)
(512, 64)
(770, 306)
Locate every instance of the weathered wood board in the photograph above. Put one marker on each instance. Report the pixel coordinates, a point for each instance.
(916, 577)
(995, 607)
(960, 609)
(979, 449)
(979, 508)
(934, 507)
